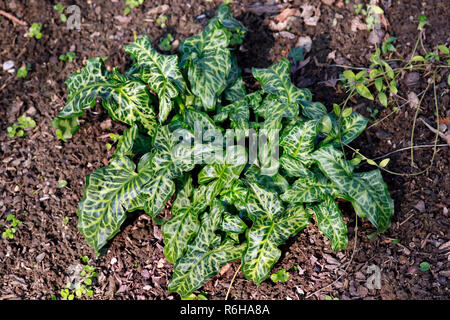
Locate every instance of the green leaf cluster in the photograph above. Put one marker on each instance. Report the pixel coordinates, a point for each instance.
(225, 206)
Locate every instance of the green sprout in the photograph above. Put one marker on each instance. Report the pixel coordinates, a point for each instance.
(165, 43)
(59, 7)
(162, 21)
(132, 4)
(280, 276)
(23, 71)
(14, 223)
(35, 31)
(69, 56)
(84, 287)
(424, 266)
(24, 122)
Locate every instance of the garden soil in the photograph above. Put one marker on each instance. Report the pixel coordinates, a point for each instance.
(35, 264)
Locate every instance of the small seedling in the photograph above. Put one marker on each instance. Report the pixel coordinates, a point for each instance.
(280, 276)
(165, 43)
(162, 21)
(193, 296)
(62, 184)
(17, 129)
(69, 56)
(424, 266)
(59, 7)
(23, 71)
(35, 31)
(84, 286)
(331, 298)
(296, 55)
(132, 4)
(12, 228)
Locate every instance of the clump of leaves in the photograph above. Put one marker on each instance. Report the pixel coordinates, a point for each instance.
(82, 282)
(161, 20)
(281, 276)
(23, 71)
(165, 43)
(13, 224)
(59, 7)
(69, 56)
(371, 12)
(132, 4)
(35, 31)
(19, 129)
(230, 202)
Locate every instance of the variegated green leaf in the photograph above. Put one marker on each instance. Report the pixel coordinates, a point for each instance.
(277, 80)
(160, 72)
(232, 223)
(309, 189)
(220, 176)
(239, 111)
(235, 85)
(235, 194)
(182, 226)
(108, 194)
(272, 226)
(126, 99)
(208, 63)
(298, 140)
(126, 142)
(294, 167)
(235, 29)
(330, 222)
(313, 110)
(351, 127)
(204, 256)
(367, 191)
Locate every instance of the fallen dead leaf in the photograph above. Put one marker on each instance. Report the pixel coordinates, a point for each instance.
(225, 269)
(328, 2)
(310, 14)
(277, 26)
(159, 9)
(413, 100)
(357, 24)
(286, 14)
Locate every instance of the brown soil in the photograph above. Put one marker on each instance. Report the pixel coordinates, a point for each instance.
(33, 265)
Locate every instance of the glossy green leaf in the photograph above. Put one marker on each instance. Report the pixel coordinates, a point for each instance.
(367, 191)
(313, 188)
(298, 140)
(108, 193)
(330, 222)
(239, 111)
(272, 226)
(208, 63)
(276, 80)
(160, 72)
(182, 226)
(204, 256)
(125, 98)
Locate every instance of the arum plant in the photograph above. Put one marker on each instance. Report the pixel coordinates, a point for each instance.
(246, 171)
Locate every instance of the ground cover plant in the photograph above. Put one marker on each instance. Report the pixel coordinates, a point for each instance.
(246, 171)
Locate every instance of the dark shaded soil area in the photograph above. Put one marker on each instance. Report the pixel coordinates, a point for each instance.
(33, 265)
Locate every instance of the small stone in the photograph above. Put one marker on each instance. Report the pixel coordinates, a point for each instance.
(383, 135)
(420, 206)
(40, 257)
(304, 42)
(113, 261)
(7, 65)
(31, 111)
